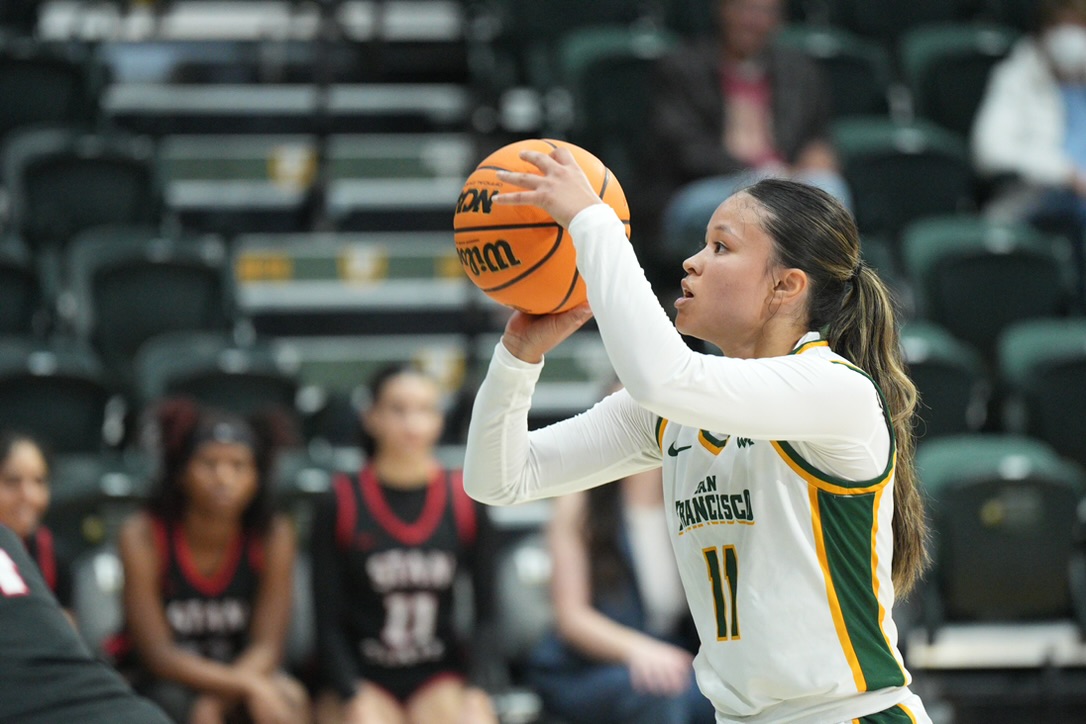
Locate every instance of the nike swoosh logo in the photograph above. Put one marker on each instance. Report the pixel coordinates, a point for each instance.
(674, 451)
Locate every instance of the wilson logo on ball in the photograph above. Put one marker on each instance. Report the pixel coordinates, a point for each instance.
(475, 200)
(516, 253)
(493, 256)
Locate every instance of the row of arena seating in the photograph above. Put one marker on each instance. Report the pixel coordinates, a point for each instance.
(249, 202)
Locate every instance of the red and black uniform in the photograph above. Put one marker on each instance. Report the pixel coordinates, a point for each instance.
(384, 565)
(209, 615)
(47, 674)
(41, 545)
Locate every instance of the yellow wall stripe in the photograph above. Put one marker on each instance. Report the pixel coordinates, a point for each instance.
(831, 594)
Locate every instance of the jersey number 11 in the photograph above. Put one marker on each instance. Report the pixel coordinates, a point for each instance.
(723, 579)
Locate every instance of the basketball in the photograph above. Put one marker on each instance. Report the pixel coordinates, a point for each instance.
(518, 255)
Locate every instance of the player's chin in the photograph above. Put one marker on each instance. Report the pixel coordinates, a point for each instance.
(682, 321)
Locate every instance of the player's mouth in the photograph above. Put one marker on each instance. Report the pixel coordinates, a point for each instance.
(687, 295)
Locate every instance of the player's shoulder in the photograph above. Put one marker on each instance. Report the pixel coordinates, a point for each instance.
(10, 542)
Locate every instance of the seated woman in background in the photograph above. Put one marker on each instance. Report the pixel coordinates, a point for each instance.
(1029, 135)
(208, 575)
(623, 646)
(24, 498)
(388, 545)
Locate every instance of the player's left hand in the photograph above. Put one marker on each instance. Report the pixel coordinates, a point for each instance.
(561, 188)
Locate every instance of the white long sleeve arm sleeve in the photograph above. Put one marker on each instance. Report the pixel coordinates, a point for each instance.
(505, 464)
(795, 398)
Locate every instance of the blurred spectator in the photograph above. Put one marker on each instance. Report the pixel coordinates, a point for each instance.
(622, 649)
(208, 573)
(24, 498)
(388, 545)
(738, 107)
(1031, 126)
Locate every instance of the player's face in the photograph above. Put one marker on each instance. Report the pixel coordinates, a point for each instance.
(221, 479)
(748, 25)
(24, 488)
(728, 288)
(406, 417)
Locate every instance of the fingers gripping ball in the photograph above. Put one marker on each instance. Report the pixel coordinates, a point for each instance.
(518, 255)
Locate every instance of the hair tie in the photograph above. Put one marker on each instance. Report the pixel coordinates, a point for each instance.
(860, 266)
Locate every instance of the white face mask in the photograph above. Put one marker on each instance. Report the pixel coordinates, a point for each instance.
(1066, 47)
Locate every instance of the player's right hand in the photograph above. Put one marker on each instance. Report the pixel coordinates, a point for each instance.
(529, 336)
(660, 668)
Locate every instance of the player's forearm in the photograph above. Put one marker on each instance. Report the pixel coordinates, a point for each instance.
(260, 657)
(200, 674)
(597, 636)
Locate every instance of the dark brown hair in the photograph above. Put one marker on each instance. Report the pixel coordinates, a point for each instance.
(180, 424)
(847, 300)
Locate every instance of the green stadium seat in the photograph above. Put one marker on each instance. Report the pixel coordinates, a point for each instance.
(64, 181)
(947, 66)
(214, 369)
(523, 51)
(607, 70)
(125, 286)
(960, 265)
(886, 21)
(1042, 364)
(58, 392)
(950, 377)
(1004, 515)
(53, 89)
(858, 69)
(23, 308)
(899, 173)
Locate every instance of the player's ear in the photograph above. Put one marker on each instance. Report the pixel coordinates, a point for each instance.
(790, 285)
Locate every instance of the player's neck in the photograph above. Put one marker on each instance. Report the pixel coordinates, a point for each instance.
(205, 530)
(403, 471)
(772, 340)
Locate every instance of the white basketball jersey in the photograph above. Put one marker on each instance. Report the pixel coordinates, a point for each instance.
(787, 572)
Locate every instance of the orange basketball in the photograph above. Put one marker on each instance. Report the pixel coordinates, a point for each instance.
(518, 255)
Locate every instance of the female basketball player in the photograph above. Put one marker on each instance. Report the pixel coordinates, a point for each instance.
(207, 575)
(387, 548)
(787, 462)
(24, 499)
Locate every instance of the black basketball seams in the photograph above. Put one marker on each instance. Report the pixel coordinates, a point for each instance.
(606, 180)
(569, 292)
(540, 225)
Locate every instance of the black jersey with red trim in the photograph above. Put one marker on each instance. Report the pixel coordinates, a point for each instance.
(208, 615)
(384, 576)
(41, 545)
(47, 675)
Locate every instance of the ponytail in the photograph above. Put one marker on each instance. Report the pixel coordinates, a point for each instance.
(854, 308)
(865, 332)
